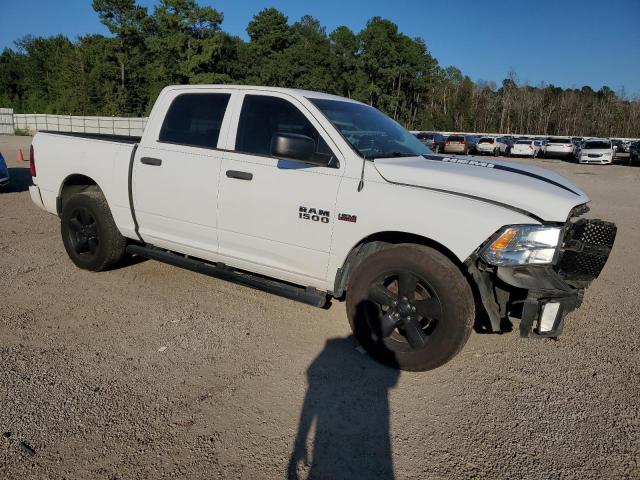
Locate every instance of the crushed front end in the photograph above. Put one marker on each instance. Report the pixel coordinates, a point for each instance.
(549, 283)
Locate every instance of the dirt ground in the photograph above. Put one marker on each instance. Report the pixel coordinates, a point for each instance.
(149, 371)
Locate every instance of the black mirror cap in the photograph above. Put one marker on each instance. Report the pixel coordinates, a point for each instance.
(293, 146)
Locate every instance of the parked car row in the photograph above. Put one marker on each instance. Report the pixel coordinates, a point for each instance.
(583, 150)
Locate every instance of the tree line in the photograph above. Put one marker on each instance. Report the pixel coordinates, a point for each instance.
(182, 42)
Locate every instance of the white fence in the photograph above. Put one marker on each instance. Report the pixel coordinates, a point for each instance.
(131, 126)
(6, 121)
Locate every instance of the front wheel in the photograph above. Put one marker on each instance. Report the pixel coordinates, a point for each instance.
(410, 307)
(89, 233)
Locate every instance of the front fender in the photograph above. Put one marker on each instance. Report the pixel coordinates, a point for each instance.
(459, 224)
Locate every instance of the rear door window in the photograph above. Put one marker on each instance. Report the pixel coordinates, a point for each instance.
(195, 119)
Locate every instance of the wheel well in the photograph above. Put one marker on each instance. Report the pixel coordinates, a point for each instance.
(378, 241)
(73, 184)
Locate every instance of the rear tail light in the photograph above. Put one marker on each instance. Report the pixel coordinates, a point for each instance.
(32, 162)
(462, 141)
(446, 142)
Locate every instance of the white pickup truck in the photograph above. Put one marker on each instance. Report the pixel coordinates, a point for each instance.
(309, 195)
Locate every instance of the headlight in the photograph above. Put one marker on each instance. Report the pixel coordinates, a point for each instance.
(523, 245)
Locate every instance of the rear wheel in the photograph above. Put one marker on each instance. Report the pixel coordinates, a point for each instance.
(410, 307)
(89, 234)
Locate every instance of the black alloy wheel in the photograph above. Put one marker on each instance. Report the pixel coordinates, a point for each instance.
(83, 232)
(408, 310)
(409, 306)
(89, 234)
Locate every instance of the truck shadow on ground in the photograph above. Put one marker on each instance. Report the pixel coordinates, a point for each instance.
(20, 180)
(344, 424)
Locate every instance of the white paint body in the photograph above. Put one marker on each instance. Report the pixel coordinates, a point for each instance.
(496, 144)
(188, 204)
(556, 149)
(528, 149)
(600, 156)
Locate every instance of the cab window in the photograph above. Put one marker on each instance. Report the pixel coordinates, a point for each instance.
(195, 119)
(262, 117)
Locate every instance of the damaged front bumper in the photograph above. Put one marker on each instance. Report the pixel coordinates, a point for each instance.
(542, 295)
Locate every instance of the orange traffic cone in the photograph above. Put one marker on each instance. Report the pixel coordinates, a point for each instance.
(20, 156)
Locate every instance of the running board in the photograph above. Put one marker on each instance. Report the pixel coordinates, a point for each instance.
(310, 296)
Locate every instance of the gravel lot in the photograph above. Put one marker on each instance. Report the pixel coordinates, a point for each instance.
(149, 371)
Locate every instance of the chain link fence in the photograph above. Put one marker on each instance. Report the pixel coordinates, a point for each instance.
(6, 121)
(29, 123)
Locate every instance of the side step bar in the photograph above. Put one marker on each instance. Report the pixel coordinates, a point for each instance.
(310, 296)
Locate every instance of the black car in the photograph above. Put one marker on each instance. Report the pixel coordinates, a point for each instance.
(433, 140)
(634, 152)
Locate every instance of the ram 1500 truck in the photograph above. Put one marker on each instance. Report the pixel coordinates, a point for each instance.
(309, 195)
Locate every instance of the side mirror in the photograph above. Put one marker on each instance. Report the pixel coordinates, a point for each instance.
(293, 146)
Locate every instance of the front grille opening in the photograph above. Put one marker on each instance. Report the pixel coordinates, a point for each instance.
(585, 250)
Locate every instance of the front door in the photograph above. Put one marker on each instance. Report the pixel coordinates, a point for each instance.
(276, 217)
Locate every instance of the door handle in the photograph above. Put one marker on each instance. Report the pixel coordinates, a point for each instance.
(239, 175)
(151, 161)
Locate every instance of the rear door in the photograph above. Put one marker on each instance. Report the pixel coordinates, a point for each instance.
(277, 216)
(176, 172)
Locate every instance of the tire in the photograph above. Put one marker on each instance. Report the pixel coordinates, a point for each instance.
(418, 334)
(89, 234)
(496, 152)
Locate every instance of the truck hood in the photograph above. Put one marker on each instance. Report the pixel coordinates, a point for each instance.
(539, 192)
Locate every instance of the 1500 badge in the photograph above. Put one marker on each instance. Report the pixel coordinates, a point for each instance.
(314, 214)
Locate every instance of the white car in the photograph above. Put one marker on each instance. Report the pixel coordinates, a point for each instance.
(526, 148)
(309, 195)
(596, 150)
(559, 147)
(491, 145)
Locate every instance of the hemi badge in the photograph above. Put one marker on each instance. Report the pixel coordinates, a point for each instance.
(345, 217)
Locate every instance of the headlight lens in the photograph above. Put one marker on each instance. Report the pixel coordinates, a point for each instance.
(523, 245)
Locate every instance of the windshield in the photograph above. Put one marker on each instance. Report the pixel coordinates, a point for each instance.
(596, 145)
(370, 132)
(523, 142)
(486, 140)
(559, 140)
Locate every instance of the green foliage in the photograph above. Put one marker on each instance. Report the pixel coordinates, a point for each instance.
(182, 42)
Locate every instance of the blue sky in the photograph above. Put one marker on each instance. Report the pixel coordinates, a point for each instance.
(569, 43)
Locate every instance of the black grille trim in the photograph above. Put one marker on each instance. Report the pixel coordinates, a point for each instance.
(585, 250)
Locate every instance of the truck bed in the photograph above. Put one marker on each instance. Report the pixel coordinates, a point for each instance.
(97, 136)
(102, 159)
